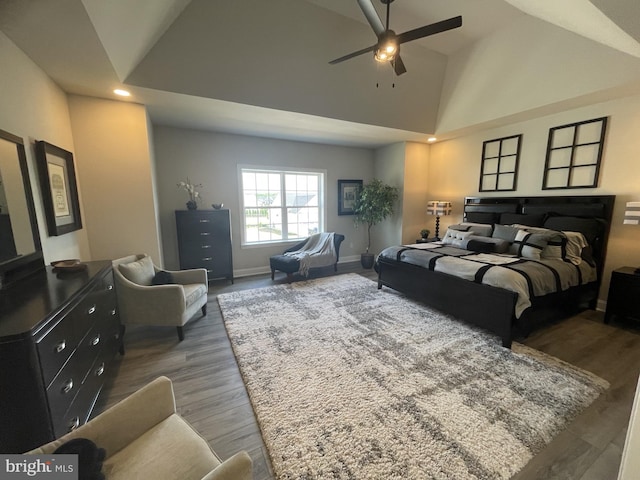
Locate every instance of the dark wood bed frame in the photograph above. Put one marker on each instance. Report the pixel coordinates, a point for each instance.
(493, 308)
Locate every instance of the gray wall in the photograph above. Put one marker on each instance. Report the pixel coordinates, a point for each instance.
(213, 158)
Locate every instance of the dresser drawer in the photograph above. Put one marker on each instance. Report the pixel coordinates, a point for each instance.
(65, 386)
(79, 410)
(56, 347)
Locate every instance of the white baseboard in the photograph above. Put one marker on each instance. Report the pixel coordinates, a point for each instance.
(248, 272)
(349, 259)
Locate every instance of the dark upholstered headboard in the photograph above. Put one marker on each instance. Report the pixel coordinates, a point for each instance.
(590, 215)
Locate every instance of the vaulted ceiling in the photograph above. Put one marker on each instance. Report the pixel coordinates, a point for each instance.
(261, 68)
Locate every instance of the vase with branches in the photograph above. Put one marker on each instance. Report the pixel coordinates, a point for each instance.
(373, 204)
(192, 192)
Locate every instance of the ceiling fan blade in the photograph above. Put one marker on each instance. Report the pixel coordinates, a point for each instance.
(398, 65)
(432, 29)
(354, 54)
(372, 16)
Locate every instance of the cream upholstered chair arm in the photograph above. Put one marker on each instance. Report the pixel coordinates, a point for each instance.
(185, 277)
(121, 424)
(238, 467)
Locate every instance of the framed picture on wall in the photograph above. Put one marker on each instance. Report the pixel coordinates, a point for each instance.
(59, 189)
(347, 195)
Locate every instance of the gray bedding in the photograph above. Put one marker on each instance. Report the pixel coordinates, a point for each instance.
(528, 278)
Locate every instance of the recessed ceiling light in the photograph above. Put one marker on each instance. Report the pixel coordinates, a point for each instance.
(122, 93)
(431, 139)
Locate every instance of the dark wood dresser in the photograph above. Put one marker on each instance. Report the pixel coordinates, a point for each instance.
(204, 241)
(59, 333)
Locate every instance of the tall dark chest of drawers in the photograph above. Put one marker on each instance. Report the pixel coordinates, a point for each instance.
(204, 241)
(59, 333)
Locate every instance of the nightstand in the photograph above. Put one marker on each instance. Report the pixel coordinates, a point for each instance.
(624, 294)
(426, 240)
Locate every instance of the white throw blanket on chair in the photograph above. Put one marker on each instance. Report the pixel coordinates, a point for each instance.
(319, 251)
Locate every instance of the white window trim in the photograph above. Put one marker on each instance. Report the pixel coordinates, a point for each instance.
(270, 168)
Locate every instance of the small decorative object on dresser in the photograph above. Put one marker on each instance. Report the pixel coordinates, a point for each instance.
(424, 233)
(192, 191)
(204, 241)
(58, 336)
(217, 206)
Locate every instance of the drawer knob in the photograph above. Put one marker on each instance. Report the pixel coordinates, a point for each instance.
(60, 347)
(109, 287)
(113, 312)
(207, 258)
(206, 246)
(204, 220)
(68, 386)
(95, 340)
(91, 310)
(205, 234)
(100, 370)
(73, 424)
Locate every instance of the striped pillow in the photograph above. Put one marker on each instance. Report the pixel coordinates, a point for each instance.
(529, 245)
(556, 242)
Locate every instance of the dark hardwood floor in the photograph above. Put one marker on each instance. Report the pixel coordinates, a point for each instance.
(210, 393)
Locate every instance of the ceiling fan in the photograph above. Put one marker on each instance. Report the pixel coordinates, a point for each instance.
(387, 49)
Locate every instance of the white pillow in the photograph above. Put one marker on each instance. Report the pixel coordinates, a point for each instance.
(455, 238)
(140, 272)
(576, 241)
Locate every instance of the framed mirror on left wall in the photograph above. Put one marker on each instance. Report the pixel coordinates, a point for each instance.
(20, 247)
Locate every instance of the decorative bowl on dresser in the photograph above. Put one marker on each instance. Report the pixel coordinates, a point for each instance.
(59, 332)
(204, 241)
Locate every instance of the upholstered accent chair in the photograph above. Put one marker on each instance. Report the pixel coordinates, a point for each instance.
(143, 298)
(144, 437)
(290, 265)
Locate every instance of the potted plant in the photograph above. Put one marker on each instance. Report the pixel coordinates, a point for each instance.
(192, 192)
(373, 204)
(424, 233)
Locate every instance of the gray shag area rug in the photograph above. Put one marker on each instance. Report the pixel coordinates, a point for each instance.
(351, 382)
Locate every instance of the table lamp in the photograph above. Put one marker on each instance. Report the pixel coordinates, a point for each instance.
(438, 208)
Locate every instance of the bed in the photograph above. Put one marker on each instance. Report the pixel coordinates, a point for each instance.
(471, 279)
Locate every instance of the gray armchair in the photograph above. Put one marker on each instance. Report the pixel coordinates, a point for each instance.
(144, 438)
(172, 304)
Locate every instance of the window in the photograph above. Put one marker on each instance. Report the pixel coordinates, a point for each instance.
(281, 205)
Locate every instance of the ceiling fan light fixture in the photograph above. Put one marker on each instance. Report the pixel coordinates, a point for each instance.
(386, 51)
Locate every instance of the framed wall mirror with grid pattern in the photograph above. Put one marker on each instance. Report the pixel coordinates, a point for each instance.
(574, 153)
(500, 160)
